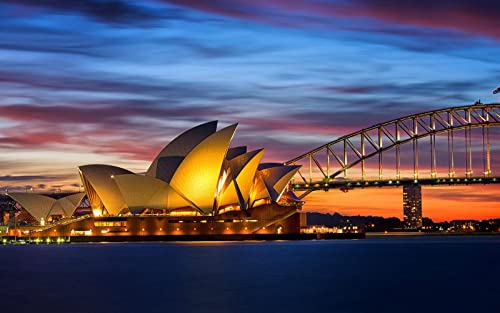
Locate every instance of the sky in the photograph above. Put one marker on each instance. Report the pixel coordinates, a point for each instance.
(112, 82)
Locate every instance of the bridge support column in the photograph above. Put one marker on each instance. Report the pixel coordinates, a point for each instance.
(412, 206)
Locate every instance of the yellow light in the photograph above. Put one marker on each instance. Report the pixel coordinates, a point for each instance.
(177, 228)
(97, 212)
(143, 229)
(222, 180)
(161, 229)
(227, 228)
(195, 228)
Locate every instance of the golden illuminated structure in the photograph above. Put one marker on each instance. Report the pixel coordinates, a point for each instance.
(196, 185)
(197, 171)
(43, 208)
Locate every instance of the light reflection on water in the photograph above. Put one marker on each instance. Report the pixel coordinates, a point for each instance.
(382, 274)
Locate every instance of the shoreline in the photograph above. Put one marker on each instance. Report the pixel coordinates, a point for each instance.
(418, 234)
(180, 238)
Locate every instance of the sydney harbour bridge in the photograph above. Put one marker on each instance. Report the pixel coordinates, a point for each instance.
(442, 147)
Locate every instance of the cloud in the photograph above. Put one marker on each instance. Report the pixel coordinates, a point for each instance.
(481, 193)
(114, 11)
(20, 178)
(467, 16)
(129, 130)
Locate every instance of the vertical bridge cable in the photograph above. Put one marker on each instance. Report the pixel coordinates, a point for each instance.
(415, 148)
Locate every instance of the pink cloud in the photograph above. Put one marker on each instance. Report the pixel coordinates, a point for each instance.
(473, 17)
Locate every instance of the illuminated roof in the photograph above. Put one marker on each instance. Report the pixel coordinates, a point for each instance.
(101, 188)
(41, 206)
(182, 145)
(197, 176)
(70, 203)
(276, 177)
(141, 192)
(242, 169)
(196, 171)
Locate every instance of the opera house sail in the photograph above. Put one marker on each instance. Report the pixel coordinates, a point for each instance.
(196, 185)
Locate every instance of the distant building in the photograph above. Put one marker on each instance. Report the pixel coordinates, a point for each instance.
(412, 206)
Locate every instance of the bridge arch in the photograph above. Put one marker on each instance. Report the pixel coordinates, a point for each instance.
(372, 142)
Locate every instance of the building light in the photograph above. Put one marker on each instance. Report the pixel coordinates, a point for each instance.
(177, 228)
(195, 228)
(161, 229)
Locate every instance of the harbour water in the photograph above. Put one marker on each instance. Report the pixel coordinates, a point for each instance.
(383, 274)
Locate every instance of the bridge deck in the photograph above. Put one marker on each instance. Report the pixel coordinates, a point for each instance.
(351, 184)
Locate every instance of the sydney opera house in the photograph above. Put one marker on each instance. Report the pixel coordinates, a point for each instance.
(196, 185)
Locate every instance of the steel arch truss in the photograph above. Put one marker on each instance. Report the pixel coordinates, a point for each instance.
(329, 161)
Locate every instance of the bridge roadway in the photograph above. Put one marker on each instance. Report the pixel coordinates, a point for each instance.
(348, 184)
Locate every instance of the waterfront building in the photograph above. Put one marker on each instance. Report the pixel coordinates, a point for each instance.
(412, 206)
(196, 185)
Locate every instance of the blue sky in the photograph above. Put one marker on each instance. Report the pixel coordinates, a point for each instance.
(114, 81)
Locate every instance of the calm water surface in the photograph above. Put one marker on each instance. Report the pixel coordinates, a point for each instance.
(389, 274)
